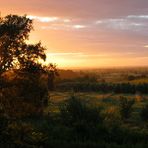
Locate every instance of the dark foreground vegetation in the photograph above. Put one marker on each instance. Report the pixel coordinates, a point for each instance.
(77, 124)
(28, 117)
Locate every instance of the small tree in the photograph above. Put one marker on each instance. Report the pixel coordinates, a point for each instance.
(85, 120)
(126, 107)
(76, 110)
(52, 72)
(144, 113)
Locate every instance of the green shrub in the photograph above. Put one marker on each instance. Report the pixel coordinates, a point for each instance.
(76, 110)
(84, 120)
(112, 116)
(126, 107)
(22, 134)
(144, 113)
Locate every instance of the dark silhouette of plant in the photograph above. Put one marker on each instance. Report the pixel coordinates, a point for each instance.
(52, 72)
(144, 113)
(14, 30)
(126, 107)
(29, 57)
(76, 110)
(83, 119)
(14, 51)
(30, 86)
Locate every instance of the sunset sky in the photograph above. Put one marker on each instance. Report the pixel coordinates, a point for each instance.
(87, 33)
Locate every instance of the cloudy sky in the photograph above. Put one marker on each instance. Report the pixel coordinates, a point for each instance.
(88, 33)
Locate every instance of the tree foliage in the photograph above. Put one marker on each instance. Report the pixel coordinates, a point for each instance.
(144, 113)
(14, 51)
(126, 107)
(14, 30)
(28, 90)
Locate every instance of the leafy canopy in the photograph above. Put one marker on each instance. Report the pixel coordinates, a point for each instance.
(14, 51)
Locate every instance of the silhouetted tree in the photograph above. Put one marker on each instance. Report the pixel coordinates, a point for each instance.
(29, 57)
(14, 30)
(30, 87)
(52, 72)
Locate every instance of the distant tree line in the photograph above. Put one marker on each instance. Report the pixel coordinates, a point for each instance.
(104, 87)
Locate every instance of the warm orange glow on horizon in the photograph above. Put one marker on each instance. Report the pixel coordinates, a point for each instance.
(88, 37)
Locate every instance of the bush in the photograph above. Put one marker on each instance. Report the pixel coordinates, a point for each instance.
(26, 96)
(126, 107)
(84, 120)
(21, 134)
(112, 116)
(144, 113)
(76, 110)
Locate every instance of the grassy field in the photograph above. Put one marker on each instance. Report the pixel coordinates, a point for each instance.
(109, 103)
(109, 115)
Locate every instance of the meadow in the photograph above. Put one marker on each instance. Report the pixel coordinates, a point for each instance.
(109, 102)
(77, 118)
